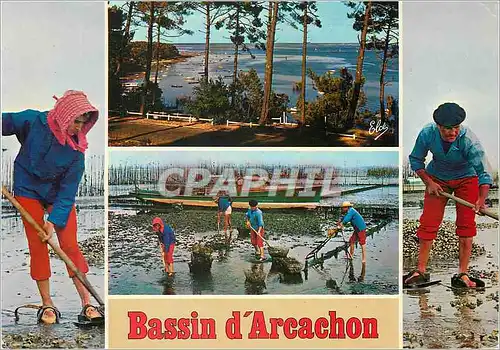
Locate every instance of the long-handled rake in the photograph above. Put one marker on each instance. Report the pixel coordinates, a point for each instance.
(41, 232)
(487, 212)
(275, 252)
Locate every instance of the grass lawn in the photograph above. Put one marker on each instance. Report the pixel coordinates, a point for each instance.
(136, 131)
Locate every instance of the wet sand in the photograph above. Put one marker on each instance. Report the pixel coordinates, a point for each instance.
(441, 318)
(136, 268)
(18, 288)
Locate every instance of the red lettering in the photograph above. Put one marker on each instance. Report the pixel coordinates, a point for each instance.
(170, 330)
(183, 332)
(155, 331)
(194, 325)
(370, 328)
(208, 328)
(305, 331)
(275, 322)
(137, 329)
(233, 326)
(319, 328)
(353, 328)
(287, 331)
(258, 330)
(336, 326)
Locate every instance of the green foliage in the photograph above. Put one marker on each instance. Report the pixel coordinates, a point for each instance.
(210, 100)
(248, 96)
(117, 47)
(153, 99)
(139, 51)
(330, 110)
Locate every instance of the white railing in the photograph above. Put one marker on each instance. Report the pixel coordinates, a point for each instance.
(228, 122)
(179, 116)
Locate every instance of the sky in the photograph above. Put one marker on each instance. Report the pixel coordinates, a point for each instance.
(51, 47)
(336, 28)
(256, 156)
(450, 54)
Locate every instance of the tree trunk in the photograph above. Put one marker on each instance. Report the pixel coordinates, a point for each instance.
(207, 40)
(382, 73)
(157, 53)
(125, 39)
(149, 58)
(359, 68)
(236, 47)
(268, 75)
(304, 57)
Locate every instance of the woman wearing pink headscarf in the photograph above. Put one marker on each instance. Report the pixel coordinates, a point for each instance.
(47, 173)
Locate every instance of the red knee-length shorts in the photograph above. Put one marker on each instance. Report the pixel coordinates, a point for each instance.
(39, 253)
(434, 206)
(168, 255)
(255, 239)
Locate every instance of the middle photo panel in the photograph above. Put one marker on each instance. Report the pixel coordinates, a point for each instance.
(252, 222)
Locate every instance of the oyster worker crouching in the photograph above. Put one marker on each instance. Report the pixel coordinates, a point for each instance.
(47, 172)
(458, 166)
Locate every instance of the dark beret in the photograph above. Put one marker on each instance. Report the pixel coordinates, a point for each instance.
(449, 114)
(253, 203)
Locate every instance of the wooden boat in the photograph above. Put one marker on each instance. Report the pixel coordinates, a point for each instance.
(280, 200)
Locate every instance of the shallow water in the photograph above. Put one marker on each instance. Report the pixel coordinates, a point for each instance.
(453, 327)
(18, 288)
(287, 63)
(383, 196)
(135, 266)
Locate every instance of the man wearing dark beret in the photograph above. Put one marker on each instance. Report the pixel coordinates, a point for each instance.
(459, 166)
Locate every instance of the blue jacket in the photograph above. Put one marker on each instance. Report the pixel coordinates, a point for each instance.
(465, 157)
(223, 203)
(355, 219)
(167, 236)
(255, 218)
(44, 169)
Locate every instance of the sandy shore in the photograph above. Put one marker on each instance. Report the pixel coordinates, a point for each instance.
(184, 56)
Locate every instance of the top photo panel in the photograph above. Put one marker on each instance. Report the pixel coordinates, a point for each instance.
(244, 74)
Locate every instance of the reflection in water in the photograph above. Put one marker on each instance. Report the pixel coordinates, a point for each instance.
(168, 285)
(255, 281)
(223, 254)
(352, 277)
(202, 282)
(468, 324)
(290, 278)
(168, 290)
(430, 324)
(361, 277)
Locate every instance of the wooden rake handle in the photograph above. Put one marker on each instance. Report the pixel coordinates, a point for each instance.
(41, 232)
(258, 234)
(488, 212)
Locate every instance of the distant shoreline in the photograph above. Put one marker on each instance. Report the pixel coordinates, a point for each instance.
(183, 56)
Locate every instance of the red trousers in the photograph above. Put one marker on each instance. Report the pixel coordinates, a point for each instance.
(255, 239)
(39, 253)
(168, 255)
(432, 216)
(358, 236)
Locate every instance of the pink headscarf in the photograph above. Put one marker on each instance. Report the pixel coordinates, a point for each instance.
(67, 108)
(159, 221)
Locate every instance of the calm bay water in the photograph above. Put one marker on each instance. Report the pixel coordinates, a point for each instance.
(321, 58)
